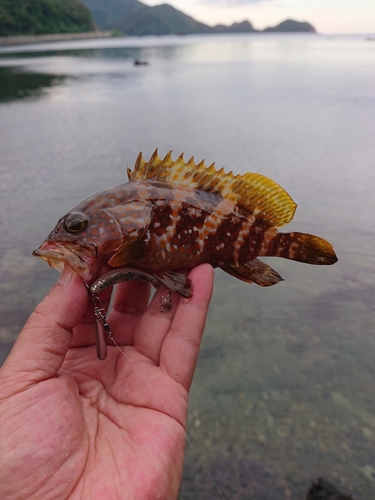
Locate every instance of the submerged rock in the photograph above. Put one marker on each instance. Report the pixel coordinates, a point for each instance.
(321, 489)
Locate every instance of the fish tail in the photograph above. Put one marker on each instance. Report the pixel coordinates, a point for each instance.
(302, 247)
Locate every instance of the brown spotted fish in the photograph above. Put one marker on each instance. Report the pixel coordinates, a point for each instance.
(175, 215)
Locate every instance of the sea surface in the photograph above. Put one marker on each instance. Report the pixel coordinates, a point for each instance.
(284, 388)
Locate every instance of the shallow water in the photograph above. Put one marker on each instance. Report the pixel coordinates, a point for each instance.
(284, 383)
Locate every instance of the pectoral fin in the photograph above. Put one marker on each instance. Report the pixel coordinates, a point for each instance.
(176, 282)
(128, 252)
(254, 271)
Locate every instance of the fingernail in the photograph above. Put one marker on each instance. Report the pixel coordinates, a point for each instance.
(65, 276)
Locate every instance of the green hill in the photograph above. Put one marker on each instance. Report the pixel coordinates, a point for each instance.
(244, 27)
(160, 20)
(136, 18)
(37, 17)
(107, 13)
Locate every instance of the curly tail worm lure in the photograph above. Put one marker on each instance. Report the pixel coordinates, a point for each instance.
(119, 275)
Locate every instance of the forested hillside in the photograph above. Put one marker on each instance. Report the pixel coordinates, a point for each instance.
(160, 20)
(36, 17)
(136, 18)
(108, 13)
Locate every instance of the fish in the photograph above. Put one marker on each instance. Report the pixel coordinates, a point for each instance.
(175, 214)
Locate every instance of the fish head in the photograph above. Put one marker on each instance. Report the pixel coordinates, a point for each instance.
(84, 239)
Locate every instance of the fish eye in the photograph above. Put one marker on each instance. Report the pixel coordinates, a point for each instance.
(75, 222)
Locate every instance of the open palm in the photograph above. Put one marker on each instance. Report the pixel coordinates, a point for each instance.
(72, 426)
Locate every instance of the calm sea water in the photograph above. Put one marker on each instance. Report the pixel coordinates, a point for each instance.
(284, 388)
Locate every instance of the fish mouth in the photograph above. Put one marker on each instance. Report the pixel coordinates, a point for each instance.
(80, 259)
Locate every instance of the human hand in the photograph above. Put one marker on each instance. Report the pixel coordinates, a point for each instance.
(72, 426)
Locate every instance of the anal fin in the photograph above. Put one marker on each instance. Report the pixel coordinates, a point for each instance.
(254, 271)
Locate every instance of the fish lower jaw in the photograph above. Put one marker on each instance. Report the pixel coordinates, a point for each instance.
(58, 255)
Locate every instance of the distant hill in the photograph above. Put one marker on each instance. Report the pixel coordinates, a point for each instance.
(107, 13)
(131, 17)
(36, 17)
(136, 19)
(244, 27)
(160, 20)
(291, 26)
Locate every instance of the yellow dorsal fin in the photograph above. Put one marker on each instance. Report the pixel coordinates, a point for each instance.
(254, 193)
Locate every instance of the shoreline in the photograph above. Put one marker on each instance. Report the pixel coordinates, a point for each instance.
(7, 41)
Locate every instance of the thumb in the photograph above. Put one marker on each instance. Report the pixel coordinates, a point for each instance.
(43, 342)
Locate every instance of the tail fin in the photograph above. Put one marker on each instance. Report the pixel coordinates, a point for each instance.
(303, 248)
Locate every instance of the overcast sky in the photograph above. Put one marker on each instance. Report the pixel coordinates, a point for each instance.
(327, 16)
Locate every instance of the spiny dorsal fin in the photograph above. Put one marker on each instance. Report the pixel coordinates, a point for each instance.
(254, 193)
